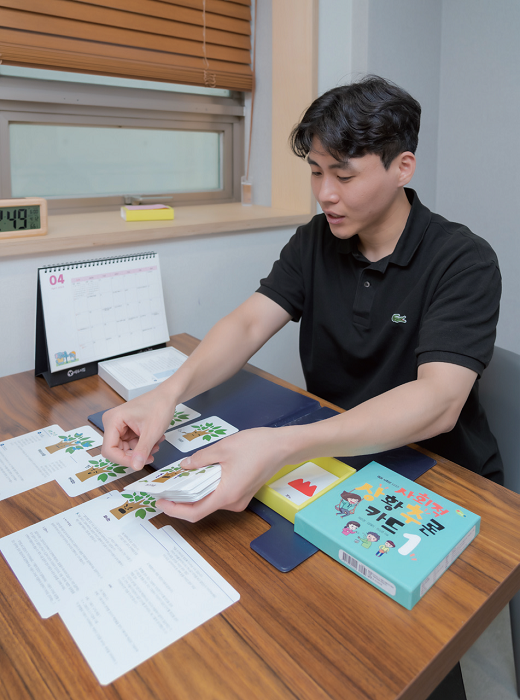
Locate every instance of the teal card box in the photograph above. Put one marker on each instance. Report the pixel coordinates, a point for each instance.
(390, 531)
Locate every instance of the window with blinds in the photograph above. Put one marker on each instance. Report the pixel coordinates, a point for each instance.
(120, 130)
(196, 42)
(87, 146)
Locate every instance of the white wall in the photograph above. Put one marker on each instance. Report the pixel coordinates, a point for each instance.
(404, 42)
(203, 278)
(478, 176)
(460, 58)
(399, 40)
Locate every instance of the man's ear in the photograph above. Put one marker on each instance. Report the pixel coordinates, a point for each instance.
(406, 164)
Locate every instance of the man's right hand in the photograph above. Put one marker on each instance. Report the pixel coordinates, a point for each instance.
(134, 430)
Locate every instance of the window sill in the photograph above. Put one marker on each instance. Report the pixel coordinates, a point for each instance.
(99, 229)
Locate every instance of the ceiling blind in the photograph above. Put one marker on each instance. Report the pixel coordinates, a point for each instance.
(195, 42)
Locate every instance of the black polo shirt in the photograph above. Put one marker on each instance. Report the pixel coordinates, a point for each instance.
(366, 326)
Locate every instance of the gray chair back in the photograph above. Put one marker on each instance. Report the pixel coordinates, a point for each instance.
(500, 397)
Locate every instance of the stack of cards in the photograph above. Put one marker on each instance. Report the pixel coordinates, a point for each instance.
(181, 485)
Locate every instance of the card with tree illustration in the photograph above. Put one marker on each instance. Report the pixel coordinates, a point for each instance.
(200, 434)
(89, 473)
(182, 414)
(131, 507)
(160, 476)
(84, 438)
(36, 458)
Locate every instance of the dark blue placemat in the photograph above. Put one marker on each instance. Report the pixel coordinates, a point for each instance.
(403, 460)
(279, 545)
(245, 401)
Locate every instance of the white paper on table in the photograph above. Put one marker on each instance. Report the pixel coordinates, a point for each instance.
(146, 607)
(25, 462)
(61, 557)
(303, 483)
(36, 458)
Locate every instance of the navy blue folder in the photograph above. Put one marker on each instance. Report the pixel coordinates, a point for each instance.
(249, 401)
(245, 401)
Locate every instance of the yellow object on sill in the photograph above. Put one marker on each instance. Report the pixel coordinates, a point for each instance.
(147, 212)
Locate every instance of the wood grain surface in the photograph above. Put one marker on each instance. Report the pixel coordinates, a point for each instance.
(317, 632)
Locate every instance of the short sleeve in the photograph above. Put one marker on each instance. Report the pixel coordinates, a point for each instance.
(460, 324)
(285, 283)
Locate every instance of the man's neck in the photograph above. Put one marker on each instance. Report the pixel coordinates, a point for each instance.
(377, 244)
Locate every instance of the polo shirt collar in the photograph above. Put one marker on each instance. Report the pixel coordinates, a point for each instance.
(413, 233)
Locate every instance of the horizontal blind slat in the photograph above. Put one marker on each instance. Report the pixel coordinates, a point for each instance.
(156, 8)
(58, 27)
(219, 7)
(106, 59)
(82, 12)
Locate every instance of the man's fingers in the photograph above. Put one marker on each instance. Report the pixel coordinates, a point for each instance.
(202, 458)
(113, 447)
(143, 452)
(192, 512)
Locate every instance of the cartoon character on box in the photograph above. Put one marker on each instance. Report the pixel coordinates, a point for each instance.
(368, 541)
(348, 503)
(384, 548)
(350, 528)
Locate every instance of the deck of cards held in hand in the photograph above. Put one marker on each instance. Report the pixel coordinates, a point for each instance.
(180, 485)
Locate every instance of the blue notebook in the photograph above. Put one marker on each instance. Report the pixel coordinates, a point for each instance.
(244, 401)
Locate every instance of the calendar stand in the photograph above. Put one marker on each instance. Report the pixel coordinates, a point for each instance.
(76, 370)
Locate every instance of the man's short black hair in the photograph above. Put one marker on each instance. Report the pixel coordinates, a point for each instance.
(372, 115)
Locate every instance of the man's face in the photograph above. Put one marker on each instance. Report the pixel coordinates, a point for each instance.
(357, 195)
(372, 538)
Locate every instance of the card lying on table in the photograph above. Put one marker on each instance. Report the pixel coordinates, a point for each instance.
(180, 485)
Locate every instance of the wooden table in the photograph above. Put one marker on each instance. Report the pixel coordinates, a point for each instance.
(314, 633)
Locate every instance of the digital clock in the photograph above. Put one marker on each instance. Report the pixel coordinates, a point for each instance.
(23, 217)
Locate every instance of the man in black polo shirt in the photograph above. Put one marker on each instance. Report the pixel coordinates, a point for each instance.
(398, 311)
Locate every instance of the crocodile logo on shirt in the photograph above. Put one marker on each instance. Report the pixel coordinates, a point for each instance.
(397, 318)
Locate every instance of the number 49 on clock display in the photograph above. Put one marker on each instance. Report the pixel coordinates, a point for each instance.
(23, 217)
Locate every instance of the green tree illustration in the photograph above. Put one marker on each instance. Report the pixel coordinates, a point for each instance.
(179, 417)
(138, 503)
(103, 469)
(207, 431)
(71, 443)
(166, 474)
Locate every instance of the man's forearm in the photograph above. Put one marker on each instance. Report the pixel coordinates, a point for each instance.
(409, 413)
(226, 348)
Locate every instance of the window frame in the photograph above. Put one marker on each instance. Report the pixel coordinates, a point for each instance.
(26, 100)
